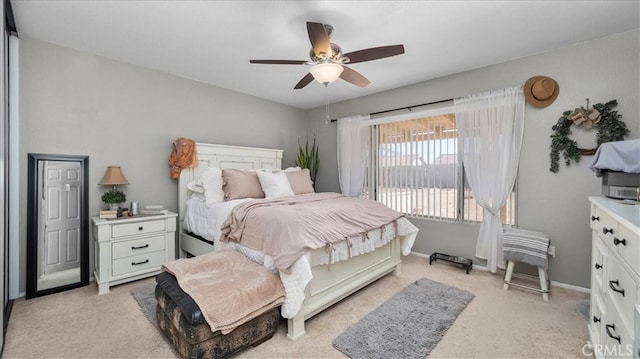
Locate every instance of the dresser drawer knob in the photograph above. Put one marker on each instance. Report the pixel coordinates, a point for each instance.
(141, 228)
(598, 266)
(606, 230)
(596, 319)
(138, 263)
(613, 284)
(617, 241)
(594, 218)
(610, 327)
(140, 247)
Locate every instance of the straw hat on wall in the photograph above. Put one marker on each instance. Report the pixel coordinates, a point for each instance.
(541, 91)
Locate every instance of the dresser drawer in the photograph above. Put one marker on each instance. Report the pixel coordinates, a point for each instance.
(600, 265)
(606, 227)
(137, 246)
(128, 229)
(617, 340)
(636, 346)
(137, 263)
(627, 244)
(623, 291)
(597, 316)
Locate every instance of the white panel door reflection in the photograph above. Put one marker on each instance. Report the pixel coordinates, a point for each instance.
(59, 232)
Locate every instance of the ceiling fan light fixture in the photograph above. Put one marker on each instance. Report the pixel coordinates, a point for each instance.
(326, 72)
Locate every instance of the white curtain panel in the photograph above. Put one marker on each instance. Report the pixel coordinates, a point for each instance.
(353, 149)
(490, 129)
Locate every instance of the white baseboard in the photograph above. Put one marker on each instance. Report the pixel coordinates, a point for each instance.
(521, 275)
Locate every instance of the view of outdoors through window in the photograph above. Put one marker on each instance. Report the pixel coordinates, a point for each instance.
(418, 172)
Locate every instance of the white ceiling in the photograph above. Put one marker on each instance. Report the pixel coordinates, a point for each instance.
(212, 41)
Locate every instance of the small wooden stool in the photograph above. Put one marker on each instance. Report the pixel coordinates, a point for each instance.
(520, 245)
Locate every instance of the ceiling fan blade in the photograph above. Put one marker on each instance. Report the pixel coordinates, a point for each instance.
(319, 39)
(304, 82)
(279, 62)
(354, 77)
(374, 53)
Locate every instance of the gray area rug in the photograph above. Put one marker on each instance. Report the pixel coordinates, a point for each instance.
(409, 325)
(583, 309)
(145, 296)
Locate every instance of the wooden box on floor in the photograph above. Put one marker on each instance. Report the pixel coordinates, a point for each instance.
(198, 341)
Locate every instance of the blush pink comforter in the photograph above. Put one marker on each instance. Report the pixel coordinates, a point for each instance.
(286, 228)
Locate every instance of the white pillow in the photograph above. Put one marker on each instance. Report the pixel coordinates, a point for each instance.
(293, 169)
(211, 181)
(193, 186)
(275, 184)
(199, 196)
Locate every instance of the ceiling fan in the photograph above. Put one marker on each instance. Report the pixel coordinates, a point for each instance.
(328, 60)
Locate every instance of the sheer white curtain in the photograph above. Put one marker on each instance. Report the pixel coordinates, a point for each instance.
(353, 149)
(490, 128)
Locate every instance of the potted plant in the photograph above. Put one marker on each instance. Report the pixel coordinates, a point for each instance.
(113, 198)
(309, 158)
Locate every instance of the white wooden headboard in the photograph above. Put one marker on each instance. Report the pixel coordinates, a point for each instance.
(223, 156)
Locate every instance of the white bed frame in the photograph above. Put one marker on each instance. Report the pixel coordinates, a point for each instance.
(329, 285)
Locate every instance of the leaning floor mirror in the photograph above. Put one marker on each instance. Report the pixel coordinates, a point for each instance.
(57, 223)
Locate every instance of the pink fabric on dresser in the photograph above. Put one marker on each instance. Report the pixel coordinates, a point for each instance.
(286, 228)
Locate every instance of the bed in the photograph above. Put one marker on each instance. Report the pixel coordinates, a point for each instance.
(317, 280)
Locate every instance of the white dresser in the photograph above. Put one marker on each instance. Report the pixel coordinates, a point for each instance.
(131, 248)
(636, 347)
(615, 276)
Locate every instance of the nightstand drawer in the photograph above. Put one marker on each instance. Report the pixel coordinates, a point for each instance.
(128, 229)
(137, 263)
(137, 246)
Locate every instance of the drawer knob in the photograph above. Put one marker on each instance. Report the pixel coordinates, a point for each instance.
(138, 263)
(594, 218)
(140, 247)
(596, 319)
(614, 285)
(617, 241)
(141, 228)
(606, 230)
(598, 266)
(610, 327)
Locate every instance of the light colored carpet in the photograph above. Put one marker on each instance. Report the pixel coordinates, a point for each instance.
(496, 324)
(409, 325)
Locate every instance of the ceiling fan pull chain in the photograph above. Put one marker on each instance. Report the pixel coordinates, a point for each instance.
(326, 105)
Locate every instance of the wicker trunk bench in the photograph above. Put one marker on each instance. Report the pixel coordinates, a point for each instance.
(182, 323)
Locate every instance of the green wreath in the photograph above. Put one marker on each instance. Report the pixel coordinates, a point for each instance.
(601, 116)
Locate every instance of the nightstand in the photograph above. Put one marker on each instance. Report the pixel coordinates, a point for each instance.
(131, 248)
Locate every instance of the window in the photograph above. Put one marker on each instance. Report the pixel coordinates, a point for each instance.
(415, 169)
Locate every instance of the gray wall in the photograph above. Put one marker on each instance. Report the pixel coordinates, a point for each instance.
(556, 204)
(118, 114)
(76, 103)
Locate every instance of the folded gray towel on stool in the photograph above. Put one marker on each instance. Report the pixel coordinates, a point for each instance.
(521, 245)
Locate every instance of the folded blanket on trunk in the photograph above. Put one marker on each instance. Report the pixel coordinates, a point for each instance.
(229, 289)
